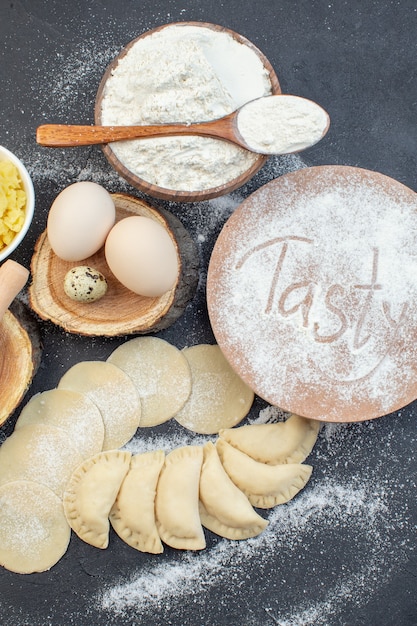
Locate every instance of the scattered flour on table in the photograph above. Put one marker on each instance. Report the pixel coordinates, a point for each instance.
(359, 509)
(269, 415)
(316, 510)
(139, 443)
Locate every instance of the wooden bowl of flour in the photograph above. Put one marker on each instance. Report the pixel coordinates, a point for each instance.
(183, 72)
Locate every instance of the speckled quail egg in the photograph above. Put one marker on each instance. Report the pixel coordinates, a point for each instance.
(85, 284)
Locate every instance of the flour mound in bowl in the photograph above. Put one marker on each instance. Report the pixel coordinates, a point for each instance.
(183, 74)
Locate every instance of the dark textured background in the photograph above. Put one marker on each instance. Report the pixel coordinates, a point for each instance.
(357, 59)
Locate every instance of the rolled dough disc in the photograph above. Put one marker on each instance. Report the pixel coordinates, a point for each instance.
(113, 392)
(34, 533)
(40, 453)
(71, 411)
(219, 398)
(161, 374)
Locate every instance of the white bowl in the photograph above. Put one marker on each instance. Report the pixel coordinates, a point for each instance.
(6, 155)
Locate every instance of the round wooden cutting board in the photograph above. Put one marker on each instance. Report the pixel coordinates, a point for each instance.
(120, 311)
(312, 293)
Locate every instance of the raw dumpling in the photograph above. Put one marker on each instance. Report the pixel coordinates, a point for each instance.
(91, 493)
(73, 412)
(224, 508)
(176, 503)
(34, 533)
(115, 395)
(40, 453)
(284, 442)
(160, 373)
(219, 398)
(265, 485)
(133, 513)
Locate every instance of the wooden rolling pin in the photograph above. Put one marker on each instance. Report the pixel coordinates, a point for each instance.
(13, 277)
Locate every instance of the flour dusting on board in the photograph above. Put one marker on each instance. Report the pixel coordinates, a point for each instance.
(315, 274)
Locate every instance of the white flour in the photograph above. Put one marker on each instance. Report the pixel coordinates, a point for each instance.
(327, 505)
(281, 124)
(183, 74)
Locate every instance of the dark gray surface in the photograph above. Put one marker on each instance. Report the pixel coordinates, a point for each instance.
(344, 552)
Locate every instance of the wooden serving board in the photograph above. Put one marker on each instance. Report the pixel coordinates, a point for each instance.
(120, 311)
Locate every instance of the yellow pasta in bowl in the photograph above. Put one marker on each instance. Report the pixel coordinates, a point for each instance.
(17, 202)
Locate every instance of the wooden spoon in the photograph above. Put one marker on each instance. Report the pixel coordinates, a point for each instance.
(271, 135)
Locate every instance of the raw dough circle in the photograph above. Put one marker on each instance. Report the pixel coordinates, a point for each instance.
(34, 533)
(44, 454)
(160, 373)
(113, 392)
(312, 293)
(71, 411)
(219, 398)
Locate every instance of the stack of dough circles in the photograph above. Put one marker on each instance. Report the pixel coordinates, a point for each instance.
(219, 398)
(160, 373)
(95, 405)
(113, 392)
(36, 462)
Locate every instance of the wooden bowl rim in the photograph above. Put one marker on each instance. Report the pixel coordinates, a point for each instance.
(171, 194)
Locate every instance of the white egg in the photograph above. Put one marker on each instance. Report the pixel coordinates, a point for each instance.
(79, 220)
(142, 256)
